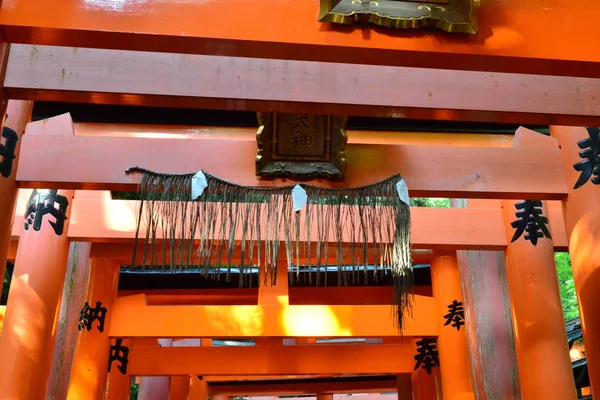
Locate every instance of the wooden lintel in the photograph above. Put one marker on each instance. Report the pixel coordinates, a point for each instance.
(132, 317)
(285, 360)
(110, 224)
(79, 162)
(513, 35)
(250, 84)
(300, 387)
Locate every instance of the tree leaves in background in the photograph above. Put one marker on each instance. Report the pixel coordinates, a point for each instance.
(566, 285)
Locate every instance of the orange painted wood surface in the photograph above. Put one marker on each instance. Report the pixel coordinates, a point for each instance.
(92, 347)
(27, 341)
(433, 171)
(133, 318)
(2, 312)
(553, 37)
(582, 220)
(305, 360)
(68, 319)
(332, 295)
(179, 388)
(452, 342)
(118, 385)
(130, 77)
(540, 339)
(494, 370)
(113, 221)
(157, 131)
(19, 114)
(288, 388)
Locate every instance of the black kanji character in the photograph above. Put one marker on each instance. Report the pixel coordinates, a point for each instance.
(7, 151)
(42, 202)
(456, 315)
(427, 354)
(591, 155)
(119, 353)
(88, 315)
(530, 220)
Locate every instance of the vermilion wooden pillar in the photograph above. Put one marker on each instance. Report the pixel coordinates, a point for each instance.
(179, 388)
(68, 319)
(19, 114)
(155, 387)
(425, 386)
(72, 297)
(118, 385)
(452, 340)
(92, 347)
(540, 338)
(494, 369)
(27, 340)
(582, 219)
(198, 389)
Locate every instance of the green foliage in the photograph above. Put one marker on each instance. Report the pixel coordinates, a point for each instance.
(133, 392)
(430, 202)
(5, 285)
(566, 285)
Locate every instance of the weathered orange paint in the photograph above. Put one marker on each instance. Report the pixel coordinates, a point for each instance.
(27, 340)
(179, 388)
(494, 369)
(540, 339)
(93, 162)
(132, 317)
(582, 220)
(92, 348)
(452, 343)
(118, 385)
(513, 35)
(19, 114)
(72, 297)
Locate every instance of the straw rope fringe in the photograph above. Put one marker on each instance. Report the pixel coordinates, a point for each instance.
(366, 225)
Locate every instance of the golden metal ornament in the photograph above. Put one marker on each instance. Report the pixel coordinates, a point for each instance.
(456, 16)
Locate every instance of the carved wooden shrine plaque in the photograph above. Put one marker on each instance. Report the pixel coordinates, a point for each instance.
(300, 146)
(455, 16)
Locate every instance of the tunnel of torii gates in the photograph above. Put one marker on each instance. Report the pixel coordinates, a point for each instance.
(490, 324)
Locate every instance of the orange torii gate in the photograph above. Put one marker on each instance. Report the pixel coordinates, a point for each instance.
(532, 167)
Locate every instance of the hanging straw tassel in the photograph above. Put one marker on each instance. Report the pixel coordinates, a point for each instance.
(368, 225)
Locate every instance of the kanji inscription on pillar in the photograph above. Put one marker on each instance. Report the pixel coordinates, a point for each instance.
(120, 354)
(8, 147)
(590, 152)
(46, 202)
(427, 354)
(89, 315)
(530, 221)
(300, 145)
(456, 315)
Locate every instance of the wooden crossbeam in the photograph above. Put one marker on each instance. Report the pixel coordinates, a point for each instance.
(113, 222)
(79, 162)
(302, 386)
(514, 35)
(142, 78)
(285, 360)
(132, 317)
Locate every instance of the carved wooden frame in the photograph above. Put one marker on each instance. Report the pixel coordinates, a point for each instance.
(456, 16)
(270, 164)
